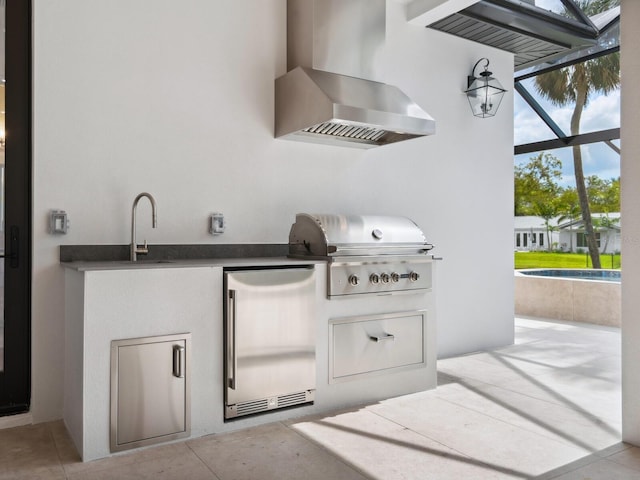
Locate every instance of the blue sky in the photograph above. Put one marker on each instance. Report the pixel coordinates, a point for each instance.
(602, 112)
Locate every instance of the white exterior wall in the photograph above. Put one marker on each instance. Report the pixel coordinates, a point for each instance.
(630, 175)
(176, 98)
(608, 238)
(552, 237)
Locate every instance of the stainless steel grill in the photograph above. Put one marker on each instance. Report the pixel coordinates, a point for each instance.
(366, 254)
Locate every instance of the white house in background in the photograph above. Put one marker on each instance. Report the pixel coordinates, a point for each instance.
(606, 226)
(530, 233)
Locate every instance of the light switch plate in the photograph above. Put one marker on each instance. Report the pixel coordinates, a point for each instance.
(58, 222)
(217, 224)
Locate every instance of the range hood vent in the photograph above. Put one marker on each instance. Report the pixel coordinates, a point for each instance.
(347, 131)
(330, 94)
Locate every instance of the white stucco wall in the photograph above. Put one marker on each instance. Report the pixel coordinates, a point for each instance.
(630, 175)
(176, 98)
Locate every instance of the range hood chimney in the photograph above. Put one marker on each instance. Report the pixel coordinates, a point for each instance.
(329, 94)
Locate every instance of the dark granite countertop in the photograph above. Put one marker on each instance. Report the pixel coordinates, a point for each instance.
(116, 257)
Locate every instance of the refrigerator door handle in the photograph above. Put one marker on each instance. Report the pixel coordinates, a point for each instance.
(232, 357)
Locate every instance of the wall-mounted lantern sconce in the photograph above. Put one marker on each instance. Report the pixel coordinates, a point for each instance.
(484, 92)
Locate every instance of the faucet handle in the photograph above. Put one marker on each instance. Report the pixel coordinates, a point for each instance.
(143, 249)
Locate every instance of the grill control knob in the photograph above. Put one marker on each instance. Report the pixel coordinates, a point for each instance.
(385, 278)
(414, 276)
(395, 277)
(374, 278)
(354, 280)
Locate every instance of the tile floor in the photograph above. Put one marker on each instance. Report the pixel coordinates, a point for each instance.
(546, 407)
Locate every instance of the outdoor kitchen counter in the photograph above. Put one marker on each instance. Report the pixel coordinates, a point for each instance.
(115, 300)
(84, 266)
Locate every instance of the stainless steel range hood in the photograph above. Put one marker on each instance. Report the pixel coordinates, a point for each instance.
(330, 94)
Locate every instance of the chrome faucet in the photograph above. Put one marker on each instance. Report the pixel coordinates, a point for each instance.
(135, 248)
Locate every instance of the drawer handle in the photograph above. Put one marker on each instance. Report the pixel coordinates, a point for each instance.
(380, 338)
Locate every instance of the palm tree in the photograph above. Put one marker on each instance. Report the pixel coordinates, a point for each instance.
(573, 85)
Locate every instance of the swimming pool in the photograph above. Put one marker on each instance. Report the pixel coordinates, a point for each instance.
(603, 275)
(577, 295)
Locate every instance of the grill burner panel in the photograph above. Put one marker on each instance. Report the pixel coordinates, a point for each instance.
(348, 276)
(366, 254)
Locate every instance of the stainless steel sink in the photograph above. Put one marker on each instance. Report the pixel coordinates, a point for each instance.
(144, 262)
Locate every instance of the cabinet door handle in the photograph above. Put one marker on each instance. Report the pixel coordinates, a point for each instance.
(380, 338)
(178, 361)
(232, 357)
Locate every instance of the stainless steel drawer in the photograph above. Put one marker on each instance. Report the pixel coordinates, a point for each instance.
(376, 344)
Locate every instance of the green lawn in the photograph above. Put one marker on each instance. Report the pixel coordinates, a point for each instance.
(562, 260)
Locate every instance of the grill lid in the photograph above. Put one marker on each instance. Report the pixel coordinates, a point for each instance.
(332, 235)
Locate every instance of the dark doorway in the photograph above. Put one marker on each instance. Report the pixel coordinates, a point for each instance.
(15, 329)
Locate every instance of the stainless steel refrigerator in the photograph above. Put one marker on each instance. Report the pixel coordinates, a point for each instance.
(270, 360)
